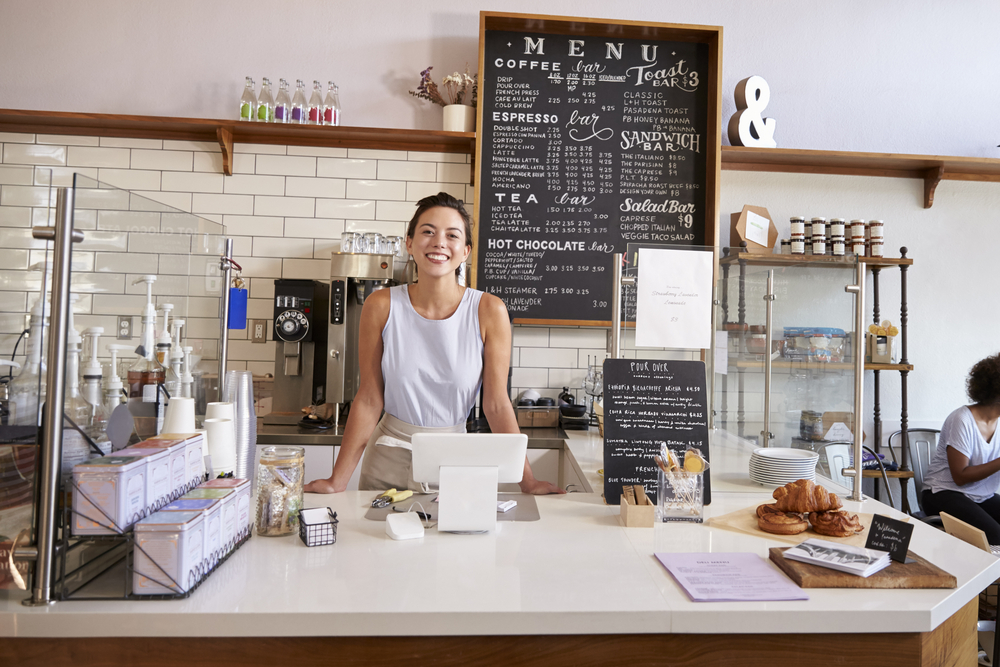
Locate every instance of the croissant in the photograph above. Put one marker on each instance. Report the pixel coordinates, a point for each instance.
(805, 496)
(835, 524)
(781, 523)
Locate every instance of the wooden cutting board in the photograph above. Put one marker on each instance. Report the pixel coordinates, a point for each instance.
(745, 521)
(919, 574)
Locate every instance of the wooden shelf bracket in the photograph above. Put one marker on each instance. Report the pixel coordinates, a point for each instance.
(932, 177)
(226, 144)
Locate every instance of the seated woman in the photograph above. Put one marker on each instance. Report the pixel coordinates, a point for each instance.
(964, 472)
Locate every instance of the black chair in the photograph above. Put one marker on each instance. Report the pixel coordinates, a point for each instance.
(921, 445)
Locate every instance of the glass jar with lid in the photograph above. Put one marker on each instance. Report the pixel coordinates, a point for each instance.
(280, 476)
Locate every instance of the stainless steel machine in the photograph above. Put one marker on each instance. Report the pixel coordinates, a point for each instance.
(353, 278)
(300, 361)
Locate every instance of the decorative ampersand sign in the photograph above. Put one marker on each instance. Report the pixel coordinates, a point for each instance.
(748, 127)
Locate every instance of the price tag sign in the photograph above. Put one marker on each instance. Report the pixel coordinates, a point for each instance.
(890, 535)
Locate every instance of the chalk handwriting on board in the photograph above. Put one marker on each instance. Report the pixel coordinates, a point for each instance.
(648, 403)
(587, 144)
(890, 535)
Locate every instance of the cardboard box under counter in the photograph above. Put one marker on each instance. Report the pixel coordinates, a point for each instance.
(540, 417)
(109, 492)
(169, 553)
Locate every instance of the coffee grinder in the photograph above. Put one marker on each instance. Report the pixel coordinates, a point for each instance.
(300, 331)
(353, 278)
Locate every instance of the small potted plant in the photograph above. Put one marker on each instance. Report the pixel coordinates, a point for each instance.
(459, 98)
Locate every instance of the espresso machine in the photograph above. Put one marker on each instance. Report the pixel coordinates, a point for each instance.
(300, 361)
(353, 278)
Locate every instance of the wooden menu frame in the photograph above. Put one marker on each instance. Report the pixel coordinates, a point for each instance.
(558, 26)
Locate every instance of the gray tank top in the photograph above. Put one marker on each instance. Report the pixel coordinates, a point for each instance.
(432, 368)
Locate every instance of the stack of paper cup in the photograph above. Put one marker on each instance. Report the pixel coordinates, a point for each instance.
(221, 445)
(238, 390)
(220, 411)
(180, 416)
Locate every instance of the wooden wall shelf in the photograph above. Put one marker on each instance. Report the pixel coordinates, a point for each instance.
(826, 261)
(932, 169)
(228, 132)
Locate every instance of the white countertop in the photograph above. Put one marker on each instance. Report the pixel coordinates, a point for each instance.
(577, 570)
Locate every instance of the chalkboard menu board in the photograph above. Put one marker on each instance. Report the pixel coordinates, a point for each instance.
(648, 402)
(592, 135)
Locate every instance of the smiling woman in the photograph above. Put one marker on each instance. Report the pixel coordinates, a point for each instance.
(425, 350)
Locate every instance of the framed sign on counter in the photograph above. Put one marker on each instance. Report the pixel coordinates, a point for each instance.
(592, 134)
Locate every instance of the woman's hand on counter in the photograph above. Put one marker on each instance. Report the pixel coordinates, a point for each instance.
(539, 487)
(321, 486)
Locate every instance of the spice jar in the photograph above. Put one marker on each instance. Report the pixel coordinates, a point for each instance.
(798, 225)
(875, 229)
(819, 226)
(876, 248)
(857, 229)
(798, 244)
(279, 490)
(836, 227)
(858, 247)
(818, 245)
(786, 246)
(838, 246)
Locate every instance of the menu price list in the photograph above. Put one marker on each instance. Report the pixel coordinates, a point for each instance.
(588, 144)
(648, 403)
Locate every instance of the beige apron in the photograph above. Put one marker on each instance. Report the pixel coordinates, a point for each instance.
(388, 461)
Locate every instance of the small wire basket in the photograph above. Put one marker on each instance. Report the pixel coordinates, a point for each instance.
(318, 526)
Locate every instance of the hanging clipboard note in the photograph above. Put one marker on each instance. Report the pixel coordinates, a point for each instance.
(674, 299)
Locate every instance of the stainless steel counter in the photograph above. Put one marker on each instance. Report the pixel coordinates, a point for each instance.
(538, 438)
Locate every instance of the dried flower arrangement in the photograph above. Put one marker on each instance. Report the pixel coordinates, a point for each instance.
(459, 88)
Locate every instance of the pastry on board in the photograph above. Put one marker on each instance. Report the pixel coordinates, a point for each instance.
(804, 496)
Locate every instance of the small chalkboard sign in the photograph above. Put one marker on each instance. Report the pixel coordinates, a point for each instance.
(890, 535)
(648, 402)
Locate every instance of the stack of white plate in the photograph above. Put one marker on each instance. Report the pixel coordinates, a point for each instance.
(777, 466)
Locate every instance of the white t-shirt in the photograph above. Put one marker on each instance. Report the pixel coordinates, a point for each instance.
(961, 433)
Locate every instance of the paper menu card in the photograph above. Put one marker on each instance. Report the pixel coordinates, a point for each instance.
(729, 577)
(674, 299)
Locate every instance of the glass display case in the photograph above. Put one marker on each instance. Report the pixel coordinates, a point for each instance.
(121, 238)
(788, 324)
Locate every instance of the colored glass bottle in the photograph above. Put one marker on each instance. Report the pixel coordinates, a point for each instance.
(282, 103)
(248, 103)
(299, 105)
(331, 112)
(265, 103)
(316, 104)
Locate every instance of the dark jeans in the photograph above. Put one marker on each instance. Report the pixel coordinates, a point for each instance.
(984, 516)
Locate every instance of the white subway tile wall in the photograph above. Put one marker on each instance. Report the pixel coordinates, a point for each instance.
(285, 207)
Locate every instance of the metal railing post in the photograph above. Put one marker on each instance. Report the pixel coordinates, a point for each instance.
(858, 289)
(63, 237)
(766, 434)
(227, 280)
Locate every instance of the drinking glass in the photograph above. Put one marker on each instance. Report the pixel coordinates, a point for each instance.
(360, 244)
(374, 242)
(395, 245)
(348, 242)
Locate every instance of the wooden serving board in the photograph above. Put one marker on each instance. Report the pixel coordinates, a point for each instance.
(745, 521)
(919, 574)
